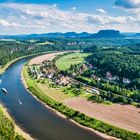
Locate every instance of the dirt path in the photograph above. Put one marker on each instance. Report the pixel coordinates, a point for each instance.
(123, 116)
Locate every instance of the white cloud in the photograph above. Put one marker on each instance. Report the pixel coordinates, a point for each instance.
(73, 8)
(100, 10)
(4, 22)
(33, 18)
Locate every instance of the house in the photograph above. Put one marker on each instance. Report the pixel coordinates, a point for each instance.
(96, 78)
(84, 66)
(109, 75)
(63, 80)
(50, 75)
(126, 80)
(90, 66)
(116, 78)
(95, 91)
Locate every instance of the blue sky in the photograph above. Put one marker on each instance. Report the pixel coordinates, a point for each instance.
(41, 16)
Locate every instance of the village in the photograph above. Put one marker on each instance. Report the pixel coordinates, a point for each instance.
(48, 70)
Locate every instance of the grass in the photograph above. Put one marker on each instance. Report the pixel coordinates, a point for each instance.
(52, 92)
(77, 116)
(7, 128)
(44, 43)
(66, 61)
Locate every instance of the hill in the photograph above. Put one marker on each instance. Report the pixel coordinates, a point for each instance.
(107, 34)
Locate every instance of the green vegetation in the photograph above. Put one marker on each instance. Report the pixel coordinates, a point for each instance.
(7, 129)
(65, 62)
(77, 116)
(93, 75)
(54, 92)
(117, 63)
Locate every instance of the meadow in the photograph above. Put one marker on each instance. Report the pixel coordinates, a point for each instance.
(66, 61)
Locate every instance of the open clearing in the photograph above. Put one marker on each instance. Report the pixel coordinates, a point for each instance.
(65, 62)
(123, 116)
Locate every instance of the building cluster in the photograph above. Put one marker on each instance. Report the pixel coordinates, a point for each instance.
(109, 76)
(48, 70)
(80, 43)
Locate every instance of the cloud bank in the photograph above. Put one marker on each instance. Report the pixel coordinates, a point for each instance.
(16, 18)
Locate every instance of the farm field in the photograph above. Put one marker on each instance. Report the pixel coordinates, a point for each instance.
(40, 59)
(54, 93)
(123, 116)
(65, 62)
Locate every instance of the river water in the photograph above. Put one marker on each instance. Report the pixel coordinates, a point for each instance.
(32, 116)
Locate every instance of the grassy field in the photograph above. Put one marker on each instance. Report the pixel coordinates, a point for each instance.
(66, 61)
(54, 93)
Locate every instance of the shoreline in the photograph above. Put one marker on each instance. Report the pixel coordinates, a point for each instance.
(5, 111)
(18, 130)
(63, 116)
(2, 70)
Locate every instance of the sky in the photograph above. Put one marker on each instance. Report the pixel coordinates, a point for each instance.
(43, 16)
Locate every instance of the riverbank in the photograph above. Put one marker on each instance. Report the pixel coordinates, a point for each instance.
(13, 61)
(18, 130)
(4, 110)
(85, 120)
(32, 55)
(25, 79)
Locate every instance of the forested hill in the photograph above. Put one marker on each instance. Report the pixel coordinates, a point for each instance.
(99, 34)
(123, 62)
(15, 48)
(11, 49)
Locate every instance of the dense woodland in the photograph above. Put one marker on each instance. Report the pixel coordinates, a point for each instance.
(11, 49)
(118, 63)
(123, 62)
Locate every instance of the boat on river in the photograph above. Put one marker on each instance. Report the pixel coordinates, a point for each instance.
(4, 90)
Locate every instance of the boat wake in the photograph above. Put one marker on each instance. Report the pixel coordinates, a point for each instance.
(19, 102)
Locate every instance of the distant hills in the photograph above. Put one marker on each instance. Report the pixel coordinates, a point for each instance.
(100, 34)
(49, 35)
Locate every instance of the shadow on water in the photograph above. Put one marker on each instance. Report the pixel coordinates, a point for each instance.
(39, 121)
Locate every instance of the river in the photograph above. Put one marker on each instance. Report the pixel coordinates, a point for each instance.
(32, 116)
